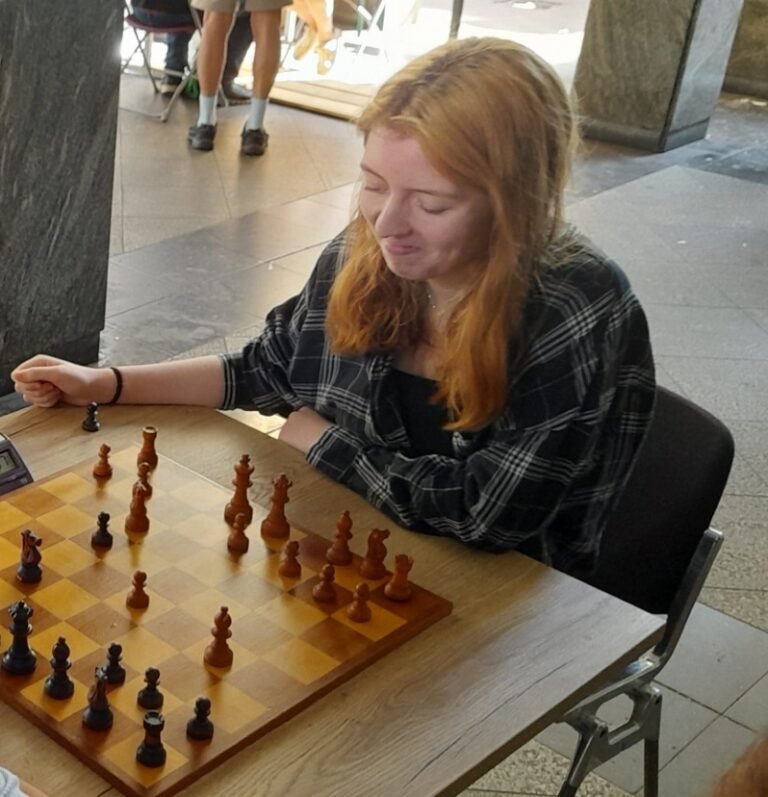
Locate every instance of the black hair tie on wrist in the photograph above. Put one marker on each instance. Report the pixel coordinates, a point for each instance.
(118, 385)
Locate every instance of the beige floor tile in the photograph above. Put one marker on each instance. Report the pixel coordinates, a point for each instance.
(164, 201)
(752, 709)
(694, 771)
(749, 606)
(141, 231)
(535, 769)
(717, 660)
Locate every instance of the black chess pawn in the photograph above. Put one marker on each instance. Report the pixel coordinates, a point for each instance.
(19, 659)
(200, 727)
(58, 684)
(91, 420)
(98, 715)
(114, 671)
(150, 697)
(151, 753)
(102, 537)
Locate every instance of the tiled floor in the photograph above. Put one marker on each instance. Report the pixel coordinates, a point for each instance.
(204, 244)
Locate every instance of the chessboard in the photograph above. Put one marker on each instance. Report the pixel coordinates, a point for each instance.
(288, 649)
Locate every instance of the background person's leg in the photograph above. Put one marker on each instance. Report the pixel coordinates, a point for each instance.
(240, 39)
(265, 26)
(210, 63)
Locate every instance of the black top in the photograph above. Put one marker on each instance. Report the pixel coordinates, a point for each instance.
(423, 420)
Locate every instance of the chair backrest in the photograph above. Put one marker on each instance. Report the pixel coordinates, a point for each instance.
(667, 505)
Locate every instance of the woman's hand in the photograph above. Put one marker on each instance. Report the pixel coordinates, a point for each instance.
(45, 381)
(303, 429)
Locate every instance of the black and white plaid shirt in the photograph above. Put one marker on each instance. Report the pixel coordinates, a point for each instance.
(541, 478)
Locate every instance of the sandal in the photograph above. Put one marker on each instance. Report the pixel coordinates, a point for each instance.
(305, 43)
(326, 55)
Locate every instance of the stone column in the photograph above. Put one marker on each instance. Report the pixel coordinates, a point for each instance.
(747, 71)
(59, 84)
(649, 74)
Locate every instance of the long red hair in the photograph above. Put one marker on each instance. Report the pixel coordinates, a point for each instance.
(490, 114)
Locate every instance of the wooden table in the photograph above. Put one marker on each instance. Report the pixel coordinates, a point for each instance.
(524, 642)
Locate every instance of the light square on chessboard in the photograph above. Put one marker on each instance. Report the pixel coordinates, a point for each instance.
(303, 591)
(210, 567)
(179, 629)
(272, 545)
(266, 568)
(80, 645)
(33, 501)
(66, 558)
(348, 576)
(142, 649)
(166, 510)
(201, 530)
(381, 624)
(301, 661)
(102, 623)
(205, 606)
(59, 710)
(9, 594)
(231, 707)
(250, 590)
(136, 556)
(336, 640)
(69, 487)
(10, 554)
(175, 585)
(11, 517)
(258, 635)
(291, 613)
(123, 755)
(202, 495)
(169, 545)
(67, 521)
(104, 501)
(124, 697)
(64, 599)
(125, 459)
(157, 604)
(241, 656)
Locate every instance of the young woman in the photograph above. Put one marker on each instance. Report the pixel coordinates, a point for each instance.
(459, 357)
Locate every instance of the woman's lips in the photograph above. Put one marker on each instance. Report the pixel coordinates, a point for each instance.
(398, 249)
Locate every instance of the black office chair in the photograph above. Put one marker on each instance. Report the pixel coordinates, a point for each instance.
(656, 553)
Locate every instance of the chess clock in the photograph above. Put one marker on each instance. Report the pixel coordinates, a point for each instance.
(13, 472)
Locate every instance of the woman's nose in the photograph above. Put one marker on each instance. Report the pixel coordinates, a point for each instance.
(392, 219)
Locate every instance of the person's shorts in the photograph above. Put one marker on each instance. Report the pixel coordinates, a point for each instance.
(233, 5)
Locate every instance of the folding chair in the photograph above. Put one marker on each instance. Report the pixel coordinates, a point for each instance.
(656, 553)
(143, 33)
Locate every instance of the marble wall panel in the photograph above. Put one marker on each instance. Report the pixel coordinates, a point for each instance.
(706, 59)
(747, 71)
(648, 72)
(59, 84)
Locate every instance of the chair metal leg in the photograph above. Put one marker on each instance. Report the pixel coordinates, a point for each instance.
(589, 737)
(651, 783)
(651, 749)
